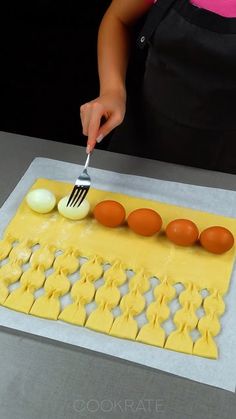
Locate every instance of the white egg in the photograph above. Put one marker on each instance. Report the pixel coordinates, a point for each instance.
(73, 213)
(41, 200)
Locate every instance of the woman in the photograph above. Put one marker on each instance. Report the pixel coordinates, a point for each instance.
(184, 111)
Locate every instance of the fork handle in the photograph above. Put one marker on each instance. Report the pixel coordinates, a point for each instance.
(87, 161)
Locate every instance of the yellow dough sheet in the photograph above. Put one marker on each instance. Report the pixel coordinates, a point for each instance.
(123, 250)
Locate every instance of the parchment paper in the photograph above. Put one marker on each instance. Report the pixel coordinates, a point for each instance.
(219, 373)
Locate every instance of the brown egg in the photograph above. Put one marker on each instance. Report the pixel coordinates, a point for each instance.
(109, 213)
(182, 232)
(144, 221)
(217, 239)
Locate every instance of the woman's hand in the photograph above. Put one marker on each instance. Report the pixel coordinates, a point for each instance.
(109, 105)
(113, 52)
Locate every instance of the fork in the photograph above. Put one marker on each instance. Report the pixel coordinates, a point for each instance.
(81, 187)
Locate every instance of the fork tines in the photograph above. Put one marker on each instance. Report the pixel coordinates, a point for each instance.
(77, 195)
(81, 187)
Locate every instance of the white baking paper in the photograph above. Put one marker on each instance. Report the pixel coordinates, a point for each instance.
(219, 373)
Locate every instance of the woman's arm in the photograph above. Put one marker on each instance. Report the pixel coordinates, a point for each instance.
(113, 52)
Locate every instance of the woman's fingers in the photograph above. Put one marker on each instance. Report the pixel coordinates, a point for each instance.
(96, 134)
(112, 122)
(85, 112)
(111, 109)
(96, 115)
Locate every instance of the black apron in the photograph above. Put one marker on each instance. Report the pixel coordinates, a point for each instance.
(185, 109)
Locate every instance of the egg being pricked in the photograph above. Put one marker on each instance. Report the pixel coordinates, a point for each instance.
(73, 213)
(41, 200)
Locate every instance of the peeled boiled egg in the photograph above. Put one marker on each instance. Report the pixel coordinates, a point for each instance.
(73, 213)
(144, 221)
(109, 213)
(217, 239)
(41, 200)
(182, 232)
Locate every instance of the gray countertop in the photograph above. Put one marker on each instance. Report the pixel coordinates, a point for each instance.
(42, 379)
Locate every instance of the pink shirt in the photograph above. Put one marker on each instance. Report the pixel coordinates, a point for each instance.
(226, 8)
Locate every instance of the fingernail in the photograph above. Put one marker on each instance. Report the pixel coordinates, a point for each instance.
(88, 148)
(100, 138)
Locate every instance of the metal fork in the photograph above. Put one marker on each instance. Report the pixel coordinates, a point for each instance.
(81, 187)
